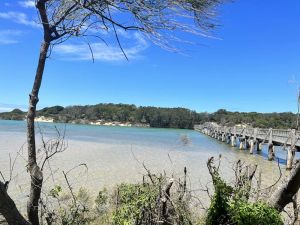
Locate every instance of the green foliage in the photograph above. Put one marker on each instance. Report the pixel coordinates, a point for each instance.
(50, 111)
(15, 114)
(153, 116)
(135, 201)
(128, 204)
(75, 215)
(219, 210)
(156, 116)
(101, 201)
(55, 192)
(146, 203)
(262, 120)
(141, 204)
(244, 213)
(71, 211)
(102, 197)
(230, 205)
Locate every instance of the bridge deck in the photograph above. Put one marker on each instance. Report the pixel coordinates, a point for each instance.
(276, 136)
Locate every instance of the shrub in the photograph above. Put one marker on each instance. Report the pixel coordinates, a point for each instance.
(219, 210)
(230, 204)
(244, 213)
(135, 203)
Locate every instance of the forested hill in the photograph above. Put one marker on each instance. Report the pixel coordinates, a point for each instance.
(156, 116)
(152, 116)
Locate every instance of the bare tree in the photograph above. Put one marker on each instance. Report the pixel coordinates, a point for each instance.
(63, 19)
(286, 192)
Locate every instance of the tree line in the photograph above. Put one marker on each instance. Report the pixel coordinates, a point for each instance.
(284, 120)
(154, 116)
(157, 116)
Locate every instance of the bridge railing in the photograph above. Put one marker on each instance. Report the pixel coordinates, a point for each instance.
(277, 135)
(288, 138)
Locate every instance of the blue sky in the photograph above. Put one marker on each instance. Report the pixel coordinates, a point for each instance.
(248, 66)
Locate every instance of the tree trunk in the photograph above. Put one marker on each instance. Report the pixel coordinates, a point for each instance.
(9, 210)
(285, 193)
(35, 172)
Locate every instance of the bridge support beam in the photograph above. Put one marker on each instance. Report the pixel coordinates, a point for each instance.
(254, 141)
(271, 148)
(271, 152)
(259, 146)
(242, 143)
(247, 144)
(291, 151)
(251, 142)
(228, 138)
(233, 141)
(223, 137)
(233, 138)
(290, 158)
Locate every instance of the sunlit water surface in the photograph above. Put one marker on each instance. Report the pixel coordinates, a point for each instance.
(116, 154)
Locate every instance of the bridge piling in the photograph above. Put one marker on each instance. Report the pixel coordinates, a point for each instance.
(233, 141)
(271, 147)
(251, 142)
(233, 138)
(242, 143)
(291, 151)
(247, 143)
(255, 138)
(260, 147)
(228, 138)
(254, 141)
(223, 137)
(271, 152)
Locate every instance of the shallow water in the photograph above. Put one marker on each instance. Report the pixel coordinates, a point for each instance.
(116, 154)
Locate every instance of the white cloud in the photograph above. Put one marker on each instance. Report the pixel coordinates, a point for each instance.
(101, 51)
(9, 36)
(19, 17)
(27, 4)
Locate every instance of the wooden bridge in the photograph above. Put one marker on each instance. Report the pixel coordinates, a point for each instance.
(255, 138)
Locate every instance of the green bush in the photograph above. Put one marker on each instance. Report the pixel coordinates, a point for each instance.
(134, 203)
(219, 210)
(244, 213)
(230, 204)
(143, 204)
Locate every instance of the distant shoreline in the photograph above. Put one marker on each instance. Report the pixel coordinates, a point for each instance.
(113, 115)
(94, 123)
(117, 124)
(148, 116)
(44, 119)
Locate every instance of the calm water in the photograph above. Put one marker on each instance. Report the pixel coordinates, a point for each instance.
(156, 138)
(116, 154)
